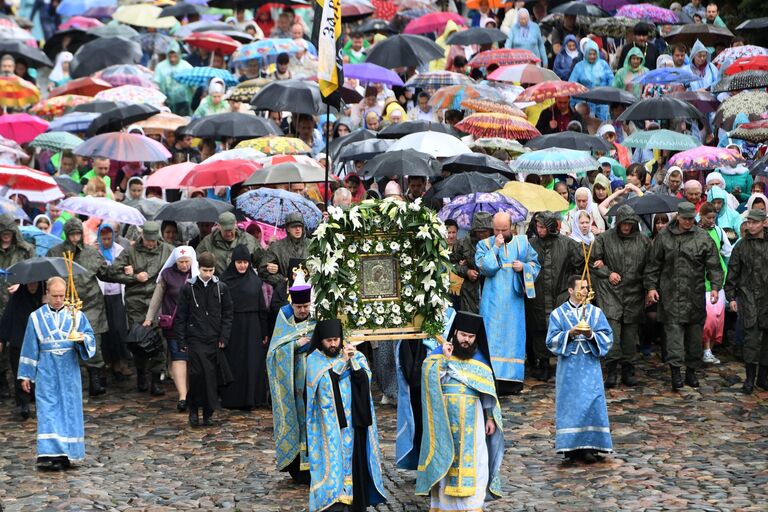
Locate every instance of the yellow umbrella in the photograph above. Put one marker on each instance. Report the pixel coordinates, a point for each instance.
(535, 197)
(16, 92)
(162, 122)
(143, 15)
(272, 145)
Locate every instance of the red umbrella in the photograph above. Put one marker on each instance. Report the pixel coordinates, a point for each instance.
(170, 176)
(503, 57)
(433, 22)
(86, 86)
(21, 127)
(38, 187)
(222, 173)
(753, 63)
(213, 42)
(549, 90)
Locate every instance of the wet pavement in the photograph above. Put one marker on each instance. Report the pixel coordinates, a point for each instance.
(704, 449)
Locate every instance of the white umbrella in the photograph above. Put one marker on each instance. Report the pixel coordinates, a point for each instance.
(436, 144)
(103, 208)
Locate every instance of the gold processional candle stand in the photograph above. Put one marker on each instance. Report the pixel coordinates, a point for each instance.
(583, 325)
(72, 300)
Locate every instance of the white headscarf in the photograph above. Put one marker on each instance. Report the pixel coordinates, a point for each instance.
(182, 251)
(216, 85)
(576, 230)
(58, 69)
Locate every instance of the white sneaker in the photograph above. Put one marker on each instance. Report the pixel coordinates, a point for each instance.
(385, 400)
(710, 358)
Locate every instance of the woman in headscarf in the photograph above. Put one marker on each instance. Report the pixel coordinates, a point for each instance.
(702, 68)
(60, 74)
(354, 184)
(246, 351)
(393, 113)
(568, 56)
(634, 67)
(591, 72)
(180, 267)
(581, 228)
(656, 90)
(583, 200)
(42, 222)
(757, 201)
(179, 96)
(525, 34)
(214, 102)
(715, 179)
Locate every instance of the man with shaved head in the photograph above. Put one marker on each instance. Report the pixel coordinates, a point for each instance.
(510, 266)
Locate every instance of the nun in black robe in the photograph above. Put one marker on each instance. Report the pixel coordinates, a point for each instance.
(246, 351)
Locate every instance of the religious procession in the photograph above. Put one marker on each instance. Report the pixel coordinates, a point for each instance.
(347, 255)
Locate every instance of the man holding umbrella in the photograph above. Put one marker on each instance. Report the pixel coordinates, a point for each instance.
(88, 288)
(275, 265)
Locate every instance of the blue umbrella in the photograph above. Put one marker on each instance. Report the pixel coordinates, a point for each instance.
(69, 8)
(666, 76)
(272, 206)
(42, 240)
(8, 207)
(73, 122)
(269, 49)
(463, 208)
(200, 76)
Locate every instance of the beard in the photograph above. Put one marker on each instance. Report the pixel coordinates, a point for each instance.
(508, 238)
(331, 351)
(464, 352)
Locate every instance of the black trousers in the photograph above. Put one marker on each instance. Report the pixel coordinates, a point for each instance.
(22, 398)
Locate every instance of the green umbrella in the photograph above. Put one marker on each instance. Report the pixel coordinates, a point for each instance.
(660, 139)
(56, 141)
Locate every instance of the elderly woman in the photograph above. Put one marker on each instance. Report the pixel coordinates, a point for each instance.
(593, 72)
(583, 199)
(702, 68)
(693, 193)
(525, 34)
(214, 102)
(715, 179)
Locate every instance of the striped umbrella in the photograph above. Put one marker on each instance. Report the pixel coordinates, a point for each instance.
(705, 157)
(56, 141)
(125, 147)
(554, 161)
(480, 105)
(434, 80)
(492, 124)
(200, 76)
(213, 42)
(523, 74)
(503, 57)
(551, 89)
(38, 187)
(276, 145)
(17, 93)
(57, 105)
(660, 139)
(132, 94)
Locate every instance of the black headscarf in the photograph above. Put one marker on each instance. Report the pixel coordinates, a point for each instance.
(473, 324)
(245, 289)
(13, 323)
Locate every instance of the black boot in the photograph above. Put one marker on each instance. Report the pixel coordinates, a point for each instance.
(628, 375)
(24, 412)
(677, 378)
(194, 417)
(762, 377)
(611, 374)
(544, 370)
(5, 389)
(690, 378)
(94, 382)
(156, 388)
(141, 381)
(749, 380)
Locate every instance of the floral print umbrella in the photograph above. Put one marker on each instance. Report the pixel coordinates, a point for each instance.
(492, 124)
(549, 90)
(273, 145)
(463, 208)
(56, 106)
(706, 157)
(730, 55)
(751, 103)
(755, 131)
(480, 105)
(132, 94)
(503, 57)
(648, 12)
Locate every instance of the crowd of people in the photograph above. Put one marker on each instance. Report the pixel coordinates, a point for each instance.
(221, 307)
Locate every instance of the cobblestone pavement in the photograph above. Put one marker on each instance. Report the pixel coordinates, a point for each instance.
(701, 449)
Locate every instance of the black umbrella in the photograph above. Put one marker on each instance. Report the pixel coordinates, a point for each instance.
(295, 96)
(104, 52)
(580, 9)
(98, 107)
(648, 204)
(407, 162)
(238, 35)
(468, 183)
(364, 150)
(32, 56)
(709, 35)
(115, 119)
(570, 140)
(759, 167)
(606, 96)
(404, 50)
(39, 269)
(477, 35)
(232, 124)
(68, 185)
(754, 24)
(750, 79)
(395, 131)
(336, 145)
(181, 10)
(476, 162)
(372, 25)
(199, 209)
(115, 31)
(66, 40)
(662, 107)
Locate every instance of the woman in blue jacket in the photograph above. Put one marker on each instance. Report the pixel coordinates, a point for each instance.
(568, 56)
(591, 72)
(526, 35)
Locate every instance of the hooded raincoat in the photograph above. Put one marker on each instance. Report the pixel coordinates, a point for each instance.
(591, 75)
(709, 75)
(626, 76)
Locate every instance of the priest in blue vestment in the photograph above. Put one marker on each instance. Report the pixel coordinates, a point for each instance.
(287, 370)
(344, 457)
(51, 360)
(462, 442)
(510, 266)
(581, 415)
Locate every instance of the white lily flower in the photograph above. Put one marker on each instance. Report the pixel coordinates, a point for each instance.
(354, 217)
(428, 282)
(424, 232)
(419, 299)
(336, 213)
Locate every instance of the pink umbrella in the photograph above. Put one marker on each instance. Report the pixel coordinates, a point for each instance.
(705, 157)
(433, 22)
(170, 176)
(269, 232)
(21, 127)
(80, 22)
